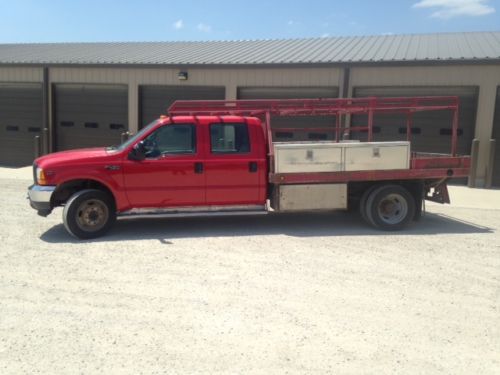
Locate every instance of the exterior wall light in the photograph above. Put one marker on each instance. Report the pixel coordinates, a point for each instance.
(183, 76)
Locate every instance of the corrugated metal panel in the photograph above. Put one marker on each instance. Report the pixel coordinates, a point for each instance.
(20, 121)
(432, 47)
(90, 115)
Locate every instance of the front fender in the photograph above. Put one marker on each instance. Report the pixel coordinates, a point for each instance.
(111, 179)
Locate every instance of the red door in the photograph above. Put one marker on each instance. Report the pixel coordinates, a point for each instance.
(172, 173)
(235, 168)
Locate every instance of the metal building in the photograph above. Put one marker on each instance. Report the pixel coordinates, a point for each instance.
(87, 94)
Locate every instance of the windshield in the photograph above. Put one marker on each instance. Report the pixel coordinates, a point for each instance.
(133, 139)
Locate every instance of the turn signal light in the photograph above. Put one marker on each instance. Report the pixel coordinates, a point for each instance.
(40, 177)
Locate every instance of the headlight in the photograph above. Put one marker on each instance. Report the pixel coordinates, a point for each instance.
(40, 176)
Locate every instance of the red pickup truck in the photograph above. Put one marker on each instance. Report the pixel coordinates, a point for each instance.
(220, 158)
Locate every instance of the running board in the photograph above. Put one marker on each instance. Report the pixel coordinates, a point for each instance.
(145, 213)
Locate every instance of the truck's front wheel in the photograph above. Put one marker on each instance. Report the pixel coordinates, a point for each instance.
(89, 213)
(390, 207)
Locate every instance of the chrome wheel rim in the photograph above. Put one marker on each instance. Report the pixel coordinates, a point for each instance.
(393, 209)
(92, 215)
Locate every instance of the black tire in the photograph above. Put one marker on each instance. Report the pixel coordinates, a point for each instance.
(362, 203)
(89, 213)
(390, 207)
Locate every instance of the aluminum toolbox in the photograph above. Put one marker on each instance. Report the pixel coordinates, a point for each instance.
(303, 157)
(367, 156)
(307, 157)
(312, 197)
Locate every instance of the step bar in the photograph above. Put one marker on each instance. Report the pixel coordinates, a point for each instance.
(200, 211)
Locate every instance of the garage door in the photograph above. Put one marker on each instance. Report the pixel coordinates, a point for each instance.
(496, 136)
(319, 125)
(90, 115)
(21, 119)
(155, 100)
(431, 130)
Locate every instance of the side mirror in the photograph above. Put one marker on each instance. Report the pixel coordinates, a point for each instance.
(138, 153)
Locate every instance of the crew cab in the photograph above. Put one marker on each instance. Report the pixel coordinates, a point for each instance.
(219, 158)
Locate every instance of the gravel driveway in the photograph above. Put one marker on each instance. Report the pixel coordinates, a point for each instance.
(276, 294)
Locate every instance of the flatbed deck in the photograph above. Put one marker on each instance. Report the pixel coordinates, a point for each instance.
(436, 167)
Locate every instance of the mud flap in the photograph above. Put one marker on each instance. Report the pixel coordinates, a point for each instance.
(438, 193)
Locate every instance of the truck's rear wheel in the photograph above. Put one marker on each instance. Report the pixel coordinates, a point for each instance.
(390, 207)
(89, 214)
(362, 203)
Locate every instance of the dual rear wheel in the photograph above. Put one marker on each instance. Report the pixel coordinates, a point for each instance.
(387, 207)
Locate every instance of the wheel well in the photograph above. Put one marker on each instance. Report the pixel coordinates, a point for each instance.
(414, 187)
(67, 189)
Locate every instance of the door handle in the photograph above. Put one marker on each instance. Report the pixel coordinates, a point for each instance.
(198, 167)
(252, 167)
(112, 167)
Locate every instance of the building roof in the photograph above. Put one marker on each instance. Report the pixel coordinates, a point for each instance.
(477, 46)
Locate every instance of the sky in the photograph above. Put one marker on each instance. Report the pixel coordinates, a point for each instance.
(41, 21)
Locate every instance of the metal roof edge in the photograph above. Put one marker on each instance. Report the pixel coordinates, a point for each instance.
(104, 42)
(444, 62)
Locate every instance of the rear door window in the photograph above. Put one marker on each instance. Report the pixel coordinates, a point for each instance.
(229, 138)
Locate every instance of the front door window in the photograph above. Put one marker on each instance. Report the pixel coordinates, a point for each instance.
(171, 139)
(169, 175)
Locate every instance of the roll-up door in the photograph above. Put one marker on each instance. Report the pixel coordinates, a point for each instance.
(155, 99)
(90, 115)
(496, 136)
(21, 118)
(320, 127)
(431, 130)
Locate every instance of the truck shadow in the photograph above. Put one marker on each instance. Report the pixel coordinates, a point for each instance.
(295, 225)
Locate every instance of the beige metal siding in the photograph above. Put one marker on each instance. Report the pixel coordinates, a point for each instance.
(231, 78)
(21, 74)
(459, 75)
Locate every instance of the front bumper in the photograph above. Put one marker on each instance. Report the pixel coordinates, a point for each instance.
(39, 197)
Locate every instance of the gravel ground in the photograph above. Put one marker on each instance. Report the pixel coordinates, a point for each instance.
(275, 294)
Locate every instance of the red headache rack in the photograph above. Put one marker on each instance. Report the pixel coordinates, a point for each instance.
(337, 108)
(426, 166)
